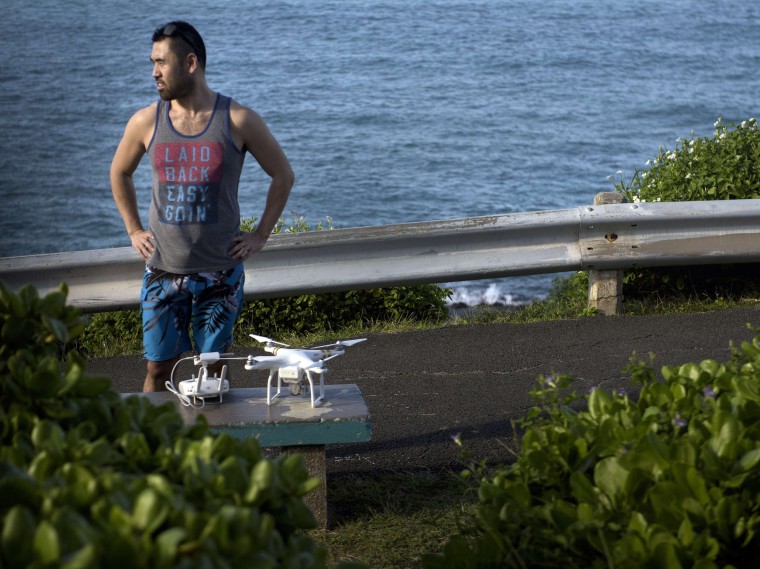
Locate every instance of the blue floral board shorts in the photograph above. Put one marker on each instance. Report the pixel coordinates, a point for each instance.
(172, 305)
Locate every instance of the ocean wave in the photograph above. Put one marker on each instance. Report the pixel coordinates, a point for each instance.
(490, 295)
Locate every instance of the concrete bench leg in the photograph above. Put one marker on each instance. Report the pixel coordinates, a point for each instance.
(316, 464)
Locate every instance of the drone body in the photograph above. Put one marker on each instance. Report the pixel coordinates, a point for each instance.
(296, 367)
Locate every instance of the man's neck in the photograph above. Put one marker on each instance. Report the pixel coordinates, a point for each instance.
(201, 100)
(190, 115)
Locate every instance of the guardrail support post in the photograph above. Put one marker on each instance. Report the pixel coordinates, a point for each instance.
(605, 288)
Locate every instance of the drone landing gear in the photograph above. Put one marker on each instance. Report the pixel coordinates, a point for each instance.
(296, 388)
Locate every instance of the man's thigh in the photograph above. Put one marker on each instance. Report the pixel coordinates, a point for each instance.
(166, 306)
(217, 302)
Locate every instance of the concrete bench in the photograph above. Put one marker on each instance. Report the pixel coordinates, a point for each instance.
(290, 423)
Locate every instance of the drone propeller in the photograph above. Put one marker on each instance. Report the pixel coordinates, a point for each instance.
(341, 343)
(265, 340)
(320, 364)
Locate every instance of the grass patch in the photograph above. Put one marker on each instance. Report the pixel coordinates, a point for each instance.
(392, 519)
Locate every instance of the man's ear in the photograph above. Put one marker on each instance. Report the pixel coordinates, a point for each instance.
(191, 62)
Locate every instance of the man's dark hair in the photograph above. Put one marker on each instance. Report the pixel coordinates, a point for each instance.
(185, 39)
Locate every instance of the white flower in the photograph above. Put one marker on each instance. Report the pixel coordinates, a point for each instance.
(688, 176)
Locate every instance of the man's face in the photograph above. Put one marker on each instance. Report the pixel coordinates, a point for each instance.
(173, 80)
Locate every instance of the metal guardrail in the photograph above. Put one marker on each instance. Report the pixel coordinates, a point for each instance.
(599, 237)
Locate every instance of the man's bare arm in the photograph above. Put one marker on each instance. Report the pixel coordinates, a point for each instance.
(130, 151)
(252, 134)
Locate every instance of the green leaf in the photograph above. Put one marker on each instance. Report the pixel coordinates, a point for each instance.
(309, 486)
(48, 435)
(47, 549)
(150, 511)
(610, 476)
(57, 328)
(749, 460)
(262, 478)
(582, 488)
(666, 556)
(85, 558)
(724, 442)
(18, 488)
(167, 544)
(697, 485)
(45, 380)
(15, 543)
(598, 403)
(686, 532)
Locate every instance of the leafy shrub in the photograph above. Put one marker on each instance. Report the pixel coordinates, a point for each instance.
(91, 479)
(700, 282)
(333, 311)
(726, 166)
(669, 480)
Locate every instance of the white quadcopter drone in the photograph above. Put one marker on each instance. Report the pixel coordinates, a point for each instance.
(296, 367)
(293, 366)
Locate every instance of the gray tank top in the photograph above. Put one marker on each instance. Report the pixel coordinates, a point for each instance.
(194, 212)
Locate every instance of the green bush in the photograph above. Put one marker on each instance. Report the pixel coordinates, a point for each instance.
(332, 311)
(91, 479)
(669, 480)
(725, 166)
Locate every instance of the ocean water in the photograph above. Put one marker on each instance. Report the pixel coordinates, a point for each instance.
(390, 111)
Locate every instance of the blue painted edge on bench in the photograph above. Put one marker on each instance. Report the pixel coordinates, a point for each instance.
(303, 434)
(341, 417)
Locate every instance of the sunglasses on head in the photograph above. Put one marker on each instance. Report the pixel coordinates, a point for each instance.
(172, 31)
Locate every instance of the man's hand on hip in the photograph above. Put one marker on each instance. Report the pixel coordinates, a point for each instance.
(143, 243)
(246, 244)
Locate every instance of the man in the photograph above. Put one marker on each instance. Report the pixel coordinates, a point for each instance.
(194, 250)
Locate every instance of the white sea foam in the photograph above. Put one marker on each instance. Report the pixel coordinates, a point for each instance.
(491, 295)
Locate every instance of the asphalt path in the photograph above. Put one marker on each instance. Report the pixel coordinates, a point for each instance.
(424, 387)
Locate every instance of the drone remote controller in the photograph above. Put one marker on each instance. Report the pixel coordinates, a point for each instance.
(203, 386)
(208, 388)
